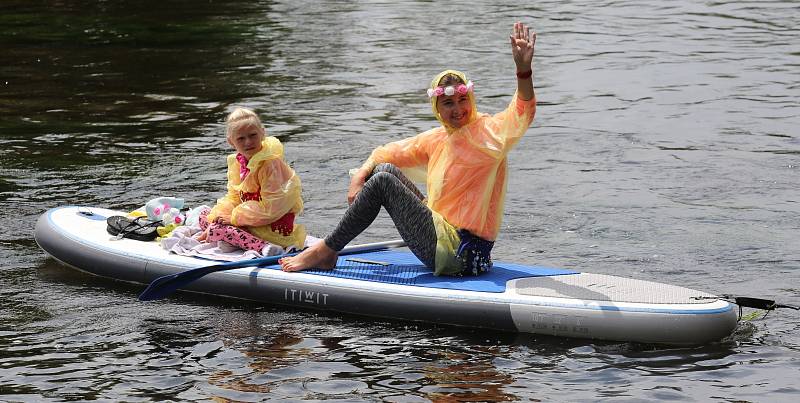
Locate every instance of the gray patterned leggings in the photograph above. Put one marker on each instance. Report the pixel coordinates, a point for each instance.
(388, 187)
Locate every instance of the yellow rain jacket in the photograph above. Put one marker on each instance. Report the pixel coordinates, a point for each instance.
(279, 188)
(465, 171)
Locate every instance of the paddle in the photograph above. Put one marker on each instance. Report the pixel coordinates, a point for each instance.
(165, 285)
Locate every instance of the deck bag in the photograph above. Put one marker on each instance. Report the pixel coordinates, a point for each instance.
(139, 228)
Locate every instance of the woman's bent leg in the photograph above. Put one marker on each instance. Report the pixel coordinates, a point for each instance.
(387, 187)
(414, 221)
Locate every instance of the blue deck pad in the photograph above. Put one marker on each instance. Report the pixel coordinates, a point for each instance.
(405, 269)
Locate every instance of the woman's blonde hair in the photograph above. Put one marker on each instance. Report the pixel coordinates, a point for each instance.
(241, 118)
(450, 79)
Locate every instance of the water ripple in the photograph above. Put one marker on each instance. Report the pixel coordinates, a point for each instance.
(665, 148)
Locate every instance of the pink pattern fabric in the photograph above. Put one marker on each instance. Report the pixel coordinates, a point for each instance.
(243, 170)
(284, 225)
(249, 196)
(233, 235)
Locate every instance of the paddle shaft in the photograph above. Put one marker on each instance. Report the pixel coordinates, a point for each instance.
(165, 285)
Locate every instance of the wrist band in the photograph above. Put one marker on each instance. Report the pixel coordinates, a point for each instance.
(525, 74)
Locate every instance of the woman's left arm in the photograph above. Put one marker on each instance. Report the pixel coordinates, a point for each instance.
(522, 45)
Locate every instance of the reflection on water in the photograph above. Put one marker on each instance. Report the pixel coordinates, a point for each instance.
(664, 148)
(333, 359)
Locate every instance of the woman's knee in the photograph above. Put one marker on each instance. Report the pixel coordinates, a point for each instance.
(385, 167)
(381, 177)
(378, 185)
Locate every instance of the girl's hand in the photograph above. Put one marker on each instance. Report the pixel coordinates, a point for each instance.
(223, 221)
(204, 235)
(522, 44)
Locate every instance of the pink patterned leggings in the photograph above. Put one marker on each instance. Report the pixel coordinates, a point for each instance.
(230, 234)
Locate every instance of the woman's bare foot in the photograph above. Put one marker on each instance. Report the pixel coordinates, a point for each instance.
(318, 256)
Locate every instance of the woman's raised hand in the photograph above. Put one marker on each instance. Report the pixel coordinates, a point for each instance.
(522, 44)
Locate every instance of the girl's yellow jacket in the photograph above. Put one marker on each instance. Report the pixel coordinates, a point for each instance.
(279, 188)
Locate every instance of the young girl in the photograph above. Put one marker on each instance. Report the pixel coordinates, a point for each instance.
(453, 230)
(263, 196)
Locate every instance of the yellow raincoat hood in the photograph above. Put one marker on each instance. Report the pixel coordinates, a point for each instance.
(471, 95)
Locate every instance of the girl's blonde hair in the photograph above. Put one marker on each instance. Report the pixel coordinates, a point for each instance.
(241, 118)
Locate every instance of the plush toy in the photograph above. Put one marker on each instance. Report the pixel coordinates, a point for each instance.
(166, 209)
(173, 216)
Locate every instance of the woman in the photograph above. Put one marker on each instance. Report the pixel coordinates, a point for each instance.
(464, 161)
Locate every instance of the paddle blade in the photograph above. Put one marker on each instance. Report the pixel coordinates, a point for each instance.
(165, 285)
(758, 303)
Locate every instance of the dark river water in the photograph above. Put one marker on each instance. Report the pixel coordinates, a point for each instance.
(666, 147)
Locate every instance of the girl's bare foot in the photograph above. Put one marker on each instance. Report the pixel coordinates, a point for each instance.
(318, 256)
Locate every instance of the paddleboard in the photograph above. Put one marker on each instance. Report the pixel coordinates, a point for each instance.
(394, 284)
